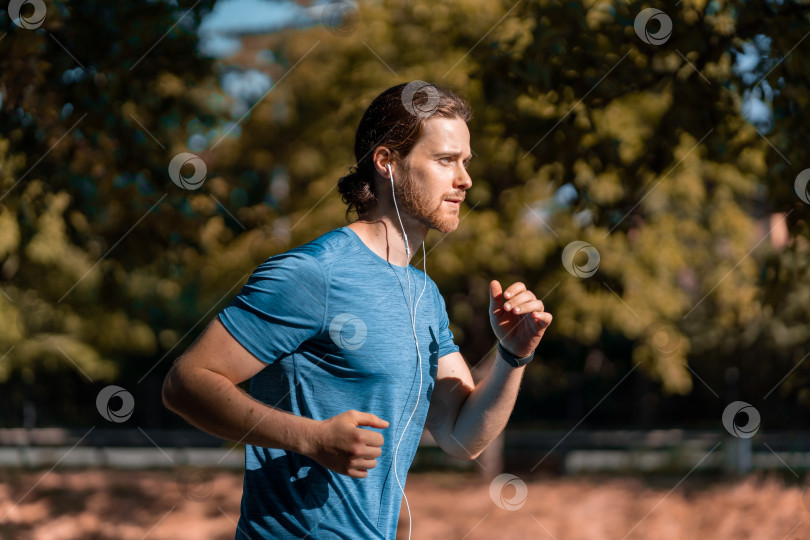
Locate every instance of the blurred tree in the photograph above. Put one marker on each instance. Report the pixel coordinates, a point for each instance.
(96, 280)
(584, 131)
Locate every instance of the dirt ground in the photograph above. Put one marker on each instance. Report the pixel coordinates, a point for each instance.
(195, 504)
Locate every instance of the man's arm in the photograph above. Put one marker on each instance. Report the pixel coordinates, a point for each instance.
(463, 417)
(201, 387)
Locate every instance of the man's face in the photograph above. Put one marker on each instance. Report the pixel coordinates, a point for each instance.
(433, 178)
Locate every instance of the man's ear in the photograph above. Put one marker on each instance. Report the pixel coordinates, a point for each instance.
(382, 156)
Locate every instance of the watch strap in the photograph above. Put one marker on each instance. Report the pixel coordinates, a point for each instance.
(511, 359)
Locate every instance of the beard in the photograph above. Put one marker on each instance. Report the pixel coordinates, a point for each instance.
(414, 199)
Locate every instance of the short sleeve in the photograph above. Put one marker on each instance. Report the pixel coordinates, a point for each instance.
(282, 305)
(446, 344)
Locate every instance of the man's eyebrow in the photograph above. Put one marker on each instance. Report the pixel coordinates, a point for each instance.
(452, 153)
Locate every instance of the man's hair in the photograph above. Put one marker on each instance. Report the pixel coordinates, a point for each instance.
(395, 119)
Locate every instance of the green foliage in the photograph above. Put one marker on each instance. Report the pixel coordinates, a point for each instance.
(673, 187)
(671, 177)
(77, 172)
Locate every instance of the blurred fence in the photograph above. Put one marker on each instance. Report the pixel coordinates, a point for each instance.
(655, 451)
(533, 451)
(116, 448)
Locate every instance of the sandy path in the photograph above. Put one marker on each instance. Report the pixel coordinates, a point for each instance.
(189, 504)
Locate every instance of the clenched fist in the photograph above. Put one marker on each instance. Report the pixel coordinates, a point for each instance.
(343, 446)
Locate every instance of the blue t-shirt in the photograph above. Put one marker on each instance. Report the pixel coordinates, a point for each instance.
(330, 318)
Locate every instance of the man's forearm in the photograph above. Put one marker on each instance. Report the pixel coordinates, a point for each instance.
(486, 410)
(215, 405)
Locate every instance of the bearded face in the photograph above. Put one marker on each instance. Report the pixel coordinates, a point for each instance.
(431, 182)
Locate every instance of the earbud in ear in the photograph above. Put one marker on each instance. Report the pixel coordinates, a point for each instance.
(390, 174)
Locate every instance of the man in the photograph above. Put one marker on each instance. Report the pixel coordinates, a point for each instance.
(348, 360)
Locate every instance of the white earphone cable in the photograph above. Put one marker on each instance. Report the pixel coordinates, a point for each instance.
(413, 326)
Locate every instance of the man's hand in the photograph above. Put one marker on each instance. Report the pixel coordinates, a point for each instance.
(517, 317)
(342, 446)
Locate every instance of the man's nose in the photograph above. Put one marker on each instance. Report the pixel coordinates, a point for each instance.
(463, 180)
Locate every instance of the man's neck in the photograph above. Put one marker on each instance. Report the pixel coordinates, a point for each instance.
(384, 237)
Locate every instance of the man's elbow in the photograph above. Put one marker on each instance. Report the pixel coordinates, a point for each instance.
(460, 451)
(465, 455)
(169, 393)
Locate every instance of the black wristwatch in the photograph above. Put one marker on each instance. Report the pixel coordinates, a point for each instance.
(512, 360)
